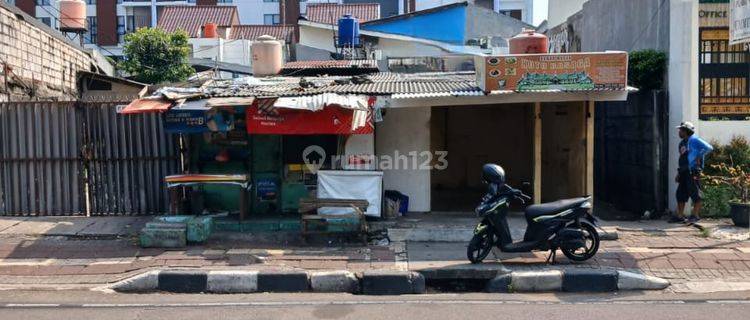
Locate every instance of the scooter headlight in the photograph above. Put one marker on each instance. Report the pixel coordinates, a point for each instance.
(586, 205)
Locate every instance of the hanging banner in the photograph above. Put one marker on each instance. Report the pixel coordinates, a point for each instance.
(567, 72)
(197, 117)
(329, 120)
(739, 22)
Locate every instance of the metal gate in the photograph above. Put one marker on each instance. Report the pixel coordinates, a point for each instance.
(630, 153)
(67, 158)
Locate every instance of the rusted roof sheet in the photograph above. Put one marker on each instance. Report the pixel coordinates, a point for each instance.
(252, 32)
(147, 105)
(329, 13)
(192, 18)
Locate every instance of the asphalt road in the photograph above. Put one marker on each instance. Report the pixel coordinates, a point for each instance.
(94, 305)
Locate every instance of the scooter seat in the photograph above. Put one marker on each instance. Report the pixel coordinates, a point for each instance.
(552, 208)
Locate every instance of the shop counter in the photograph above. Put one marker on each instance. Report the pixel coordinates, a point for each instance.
(174, 182)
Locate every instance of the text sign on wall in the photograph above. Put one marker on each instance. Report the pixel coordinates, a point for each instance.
(567, 72)
(739, 21)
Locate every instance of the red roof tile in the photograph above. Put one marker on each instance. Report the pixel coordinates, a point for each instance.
(252, 32)
(192, 18)
(329, 13)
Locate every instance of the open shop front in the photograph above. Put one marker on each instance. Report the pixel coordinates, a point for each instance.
(279, 145)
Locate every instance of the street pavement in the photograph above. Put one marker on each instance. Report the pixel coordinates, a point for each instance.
(80, 253)
(96, 305)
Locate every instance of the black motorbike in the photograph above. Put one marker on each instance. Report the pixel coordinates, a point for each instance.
(564, 224)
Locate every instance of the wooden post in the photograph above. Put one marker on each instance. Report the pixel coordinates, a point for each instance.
(537, 152)
(590, 105)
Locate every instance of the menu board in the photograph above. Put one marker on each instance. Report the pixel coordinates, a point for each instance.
(568, 72)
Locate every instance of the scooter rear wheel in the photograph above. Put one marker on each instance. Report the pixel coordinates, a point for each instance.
(480, 246)
(591, 238)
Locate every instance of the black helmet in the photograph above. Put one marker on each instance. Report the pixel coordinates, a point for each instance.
(492, 173)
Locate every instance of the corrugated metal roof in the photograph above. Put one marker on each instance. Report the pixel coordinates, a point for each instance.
(192, 18)
(330, 64)
(252, 32)
(329, 13)
(330, 67)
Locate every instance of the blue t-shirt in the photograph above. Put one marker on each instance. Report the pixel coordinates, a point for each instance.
(690, 150)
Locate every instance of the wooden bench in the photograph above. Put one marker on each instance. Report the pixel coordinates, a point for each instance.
(353, 223)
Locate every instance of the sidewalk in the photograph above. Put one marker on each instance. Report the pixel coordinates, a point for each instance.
(70, 252)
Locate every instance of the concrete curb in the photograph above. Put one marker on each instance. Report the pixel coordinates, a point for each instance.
(574, 280)
(379, 282)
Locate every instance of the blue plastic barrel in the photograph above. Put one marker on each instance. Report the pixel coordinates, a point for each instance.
(348, 31)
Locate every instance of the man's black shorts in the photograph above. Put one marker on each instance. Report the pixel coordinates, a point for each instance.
(688, 187)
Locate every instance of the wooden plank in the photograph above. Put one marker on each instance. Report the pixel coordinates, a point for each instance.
(537, 175)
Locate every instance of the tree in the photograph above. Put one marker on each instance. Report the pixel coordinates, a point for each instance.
(154, 56)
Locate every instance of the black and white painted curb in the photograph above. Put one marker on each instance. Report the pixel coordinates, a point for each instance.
(378, 282)
(240, 281)
(574, 280)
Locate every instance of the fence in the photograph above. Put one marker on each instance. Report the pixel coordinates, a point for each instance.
(630, 152)
(64, 158)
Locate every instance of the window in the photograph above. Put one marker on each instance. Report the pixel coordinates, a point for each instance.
(90, 36)
(42, 2)
(271, 18)
(724, 79)
(46, 20)
(121, 29)
(223, 1)
(90, 1)
(270, 0)
(517, 14)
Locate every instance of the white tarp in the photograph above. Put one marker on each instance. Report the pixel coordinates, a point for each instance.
(337, 184)
(739, 21)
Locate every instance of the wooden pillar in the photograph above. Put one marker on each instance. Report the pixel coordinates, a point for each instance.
(590, 106)
(537, 114)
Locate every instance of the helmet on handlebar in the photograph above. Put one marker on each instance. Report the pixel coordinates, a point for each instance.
(492, 173)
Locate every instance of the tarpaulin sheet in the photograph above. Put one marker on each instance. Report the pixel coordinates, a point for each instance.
(197, 116)
(329, 120)
(351, 185)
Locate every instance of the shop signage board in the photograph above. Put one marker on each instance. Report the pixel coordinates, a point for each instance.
(739, 22)
(568, 72)
(197, 117)
(329, 120)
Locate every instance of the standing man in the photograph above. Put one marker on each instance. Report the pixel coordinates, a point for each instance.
(692, 151)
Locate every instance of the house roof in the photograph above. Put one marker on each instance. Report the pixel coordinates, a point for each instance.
(252, 32)
(418, 13)
(192, 18)
(329, 13)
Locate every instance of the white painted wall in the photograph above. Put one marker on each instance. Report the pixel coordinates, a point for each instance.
(231, 51)
(559, 10)
(683, 77)
(406, 130)
(252, 11)
(527, 6)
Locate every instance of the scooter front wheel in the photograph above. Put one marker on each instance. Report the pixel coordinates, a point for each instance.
(480, 246)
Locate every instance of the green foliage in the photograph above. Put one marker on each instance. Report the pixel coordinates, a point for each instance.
(735, 153)
(646, 69)
(154, 56)
(716, 201)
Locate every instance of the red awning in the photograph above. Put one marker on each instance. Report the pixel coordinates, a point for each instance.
(147, 105)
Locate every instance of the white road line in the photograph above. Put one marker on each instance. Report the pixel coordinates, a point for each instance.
(361, 302)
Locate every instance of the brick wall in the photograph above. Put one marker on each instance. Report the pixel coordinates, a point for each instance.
(43, 65)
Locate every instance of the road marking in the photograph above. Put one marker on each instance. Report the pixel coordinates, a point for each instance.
(360, 302)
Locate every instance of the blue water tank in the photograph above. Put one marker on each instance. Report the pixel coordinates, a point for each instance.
(348, 31)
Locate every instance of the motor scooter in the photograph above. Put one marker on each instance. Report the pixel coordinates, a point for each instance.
(565, 224)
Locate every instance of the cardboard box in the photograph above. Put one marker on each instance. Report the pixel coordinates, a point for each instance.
(556, 71)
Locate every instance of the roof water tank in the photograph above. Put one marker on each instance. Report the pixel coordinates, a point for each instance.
(348, 31)
(209, 30)
(528, 41)
(72, 15)
(267, 56)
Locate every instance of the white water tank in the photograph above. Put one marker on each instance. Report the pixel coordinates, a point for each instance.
(72, 15)
(267, 57)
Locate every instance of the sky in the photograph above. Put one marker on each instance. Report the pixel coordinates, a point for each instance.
(540, 11)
